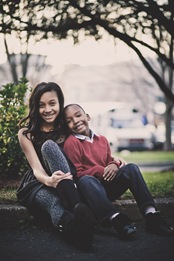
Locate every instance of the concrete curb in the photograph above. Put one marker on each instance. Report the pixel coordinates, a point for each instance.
(164, 205)
(12, 215)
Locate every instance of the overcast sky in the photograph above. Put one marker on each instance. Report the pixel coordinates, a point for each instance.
(88, 52)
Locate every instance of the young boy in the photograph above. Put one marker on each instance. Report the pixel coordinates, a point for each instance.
(91, 155)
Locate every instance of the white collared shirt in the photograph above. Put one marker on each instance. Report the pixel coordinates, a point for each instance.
(83, 137)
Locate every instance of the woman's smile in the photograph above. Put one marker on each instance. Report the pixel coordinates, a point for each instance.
(49, 116)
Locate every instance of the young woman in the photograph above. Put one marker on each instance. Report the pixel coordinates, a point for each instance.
(91, 155)
(48, 184)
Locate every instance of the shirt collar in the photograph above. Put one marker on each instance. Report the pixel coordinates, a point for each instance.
(83, 137)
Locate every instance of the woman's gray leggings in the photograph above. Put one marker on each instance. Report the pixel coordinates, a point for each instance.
(50, 199)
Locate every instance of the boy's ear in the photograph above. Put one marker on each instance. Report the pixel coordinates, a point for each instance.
(88, 117)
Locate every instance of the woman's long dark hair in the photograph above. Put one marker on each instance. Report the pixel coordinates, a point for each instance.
(33, 119)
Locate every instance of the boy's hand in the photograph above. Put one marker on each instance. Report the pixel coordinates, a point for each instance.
(110, 172)
(120, 162)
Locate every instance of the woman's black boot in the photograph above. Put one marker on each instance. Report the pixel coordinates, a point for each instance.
(77, 228)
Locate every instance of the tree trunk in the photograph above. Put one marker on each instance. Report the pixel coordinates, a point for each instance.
(168, 114)
(168, 118)
(169, 104)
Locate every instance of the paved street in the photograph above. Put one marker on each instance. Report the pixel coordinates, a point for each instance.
(44, 244)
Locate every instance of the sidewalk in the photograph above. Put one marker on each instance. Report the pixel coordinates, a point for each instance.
(12, 214)
(36, 243)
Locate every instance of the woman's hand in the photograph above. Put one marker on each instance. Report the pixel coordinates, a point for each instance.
(110, 172)
(56, 177)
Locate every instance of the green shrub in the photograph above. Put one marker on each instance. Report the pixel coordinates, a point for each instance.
(12, 109)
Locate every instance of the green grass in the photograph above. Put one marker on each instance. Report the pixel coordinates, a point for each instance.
(149, 156)
(8, 195)
(160, 184)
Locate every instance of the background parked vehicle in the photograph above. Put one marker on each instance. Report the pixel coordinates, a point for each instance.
(125, 126)
(132, 136)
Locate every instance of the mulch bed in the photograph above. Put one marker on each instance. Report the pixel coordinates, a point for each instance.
(9, 184)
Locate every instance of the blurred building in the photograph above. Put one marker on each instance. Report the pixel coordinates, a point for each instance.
(122, 82)
(37, 70)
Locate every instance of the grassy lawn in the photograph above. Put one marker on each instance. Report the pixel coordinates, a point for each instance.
(8, 195)
(146, 157)
(160, 184)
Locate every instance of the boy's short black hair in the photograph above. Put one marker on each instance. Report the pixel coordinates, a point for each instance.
(72, 104)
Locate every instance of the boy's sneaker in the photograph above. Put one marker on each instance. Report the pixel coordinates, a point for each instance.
(155, 224)
(123, 226)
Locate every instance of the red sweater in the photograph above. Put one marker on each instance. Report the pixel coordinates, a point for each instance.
(89, 158)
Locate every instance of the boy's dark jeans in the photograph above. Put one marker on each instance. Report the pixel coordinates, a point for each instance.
(100, 194)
